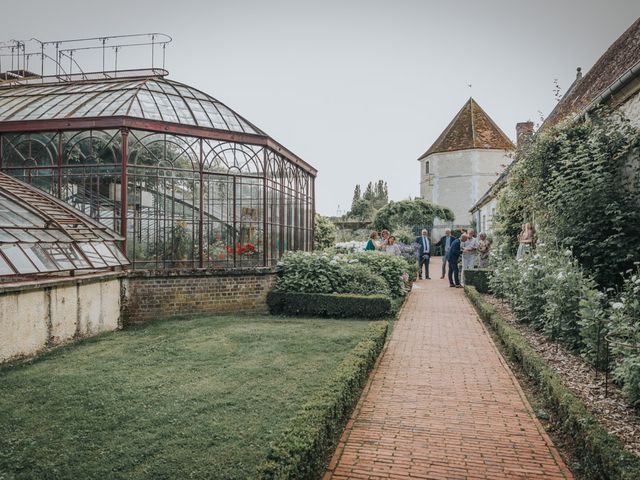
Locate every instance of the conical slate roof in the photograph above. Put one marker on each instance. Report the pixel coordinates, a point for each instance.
(470, 128)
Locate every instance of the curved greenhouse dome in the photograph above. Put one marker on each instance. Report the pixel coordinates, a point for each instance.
(185, 180)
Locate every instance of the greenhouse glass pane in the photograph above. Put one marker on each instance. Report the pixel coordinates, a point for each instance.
(5, 269)
(118, 254)
(18, 259)
(58, 256)
(23, 236)
(92, 255)
(6, 237)
(40, 259)
(41, 235)
(106, 254)
(71, 251)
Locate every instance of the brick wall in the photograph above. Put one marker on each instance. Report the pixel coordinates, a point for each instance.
(153, 295)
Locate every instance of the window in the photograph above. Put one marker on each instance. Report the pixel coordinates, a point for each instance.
(484, 223)
(426, 168)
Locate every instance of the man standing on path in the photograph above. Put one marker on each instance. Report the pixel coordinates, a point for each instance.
(452, 258)
(445, 242)
(424, 253)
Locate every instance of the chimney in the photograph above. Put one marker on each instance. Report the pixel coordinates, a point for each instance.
(524, 132)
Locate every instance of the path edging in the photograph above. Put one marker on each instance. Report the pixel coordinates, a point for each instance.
(602, 455)
(307, 445)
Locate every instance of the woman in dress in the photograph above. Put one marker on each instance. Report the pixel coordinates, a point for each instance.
(526, 239)
(483, 247)
(392, 247)
(372, 244)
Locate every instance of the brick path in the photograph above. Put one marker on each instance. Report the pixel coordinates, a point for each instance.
(442, 404)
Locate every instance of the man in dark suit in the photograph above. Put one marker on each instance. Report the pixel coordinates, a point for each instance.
(452, 258)
(424, 253)
(445, 242)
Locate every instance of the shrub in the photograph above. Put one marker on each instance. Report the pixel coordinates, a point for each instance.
(307, 272)
(593, 329)
(358, 279)
(329, 305)
(324, 233)
(389, 267)
(359, 273)
(478, 278)
(545, 289)
(306, 447)
(625, 338)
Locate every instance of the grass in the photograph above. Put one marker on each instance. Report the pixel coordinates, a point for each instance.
(181, 399)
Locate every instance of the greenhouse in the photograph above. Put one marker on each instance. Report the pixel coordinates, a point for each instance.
(186, 181)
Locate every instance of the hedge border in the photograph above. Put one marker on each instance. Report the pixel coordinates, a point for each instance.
(329, 305)
(305, 449)
(478, 278)
(602, 456)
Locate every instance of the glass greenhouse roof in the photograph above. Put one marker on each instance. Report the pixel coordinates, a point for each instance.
(154, 98)
(40, 234)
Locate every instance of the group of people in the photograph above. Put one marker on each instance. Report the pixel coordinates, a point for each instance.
(385, 242)
(471, 249)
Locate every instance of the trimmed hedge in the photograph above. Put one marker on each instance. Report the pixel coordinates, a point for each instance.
(478, 278)
(602, 456)
(306, 447)
(331, 305)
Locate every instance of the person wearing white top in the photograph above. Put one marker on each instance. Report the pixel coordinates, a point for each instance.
(392, 247)
(469, 250)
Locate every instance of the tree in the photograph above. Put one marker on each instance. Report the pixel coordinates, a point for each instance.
(362, 210)
(324, 235)
(415, 214)
(356, 195)
(369, 195)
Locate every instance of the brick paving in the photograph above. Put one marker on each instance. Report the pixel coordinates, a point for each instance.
(442, 404)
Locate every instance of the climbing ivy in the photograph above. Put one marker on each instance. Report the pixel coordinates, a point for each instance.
(579, 184)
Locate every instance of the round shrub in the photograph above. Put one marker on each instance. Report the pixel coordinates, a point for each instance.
(389, 267)
(358, 279)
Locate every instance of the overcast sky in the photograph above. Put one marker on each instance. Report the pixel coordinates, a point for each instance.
(359, 89)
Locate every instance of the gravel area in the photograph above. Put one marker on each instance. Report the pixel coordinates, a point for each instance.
(611, 409)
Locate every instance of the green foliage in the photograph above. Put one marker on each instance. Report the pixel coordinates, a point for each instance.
(478, 278)
(389, 267)
(329, 305)
(625, 337)
(574, 180)
(305, 449)
(415, 214)
(545, 289)
(593, 329)
(359, 273)
(324, 235)
(602, 456)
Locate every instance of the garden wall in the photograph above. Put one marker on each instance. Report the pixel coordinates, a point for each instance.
(167, 294)
(39, 314)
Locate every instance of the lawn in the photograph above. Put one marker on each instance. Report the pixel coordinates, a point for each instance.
(172, 399)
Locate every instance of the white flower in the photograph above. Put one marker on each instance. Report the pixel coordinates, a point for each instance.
(567, 253)
(617, 305)
(560, 275)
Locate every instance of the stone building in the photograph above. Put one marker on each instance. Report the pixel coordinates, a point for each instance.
(614, 81)
(463, 162)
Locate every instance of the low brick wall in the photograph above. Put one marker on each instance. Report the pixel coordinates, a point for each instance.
(40, 314)
(166, 294)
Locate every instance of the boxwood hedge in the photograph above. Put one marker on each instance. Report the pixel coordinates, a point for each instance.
(329, 305)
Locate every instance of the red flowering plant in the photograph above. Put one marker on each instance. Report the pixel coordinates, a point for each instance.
(247, 249)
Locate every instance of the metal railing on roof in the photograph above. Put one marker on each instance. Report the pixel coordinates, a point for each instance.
(118, 56)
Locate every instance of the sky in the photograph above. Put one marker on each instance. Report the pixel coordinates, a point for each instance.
(359, 89)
